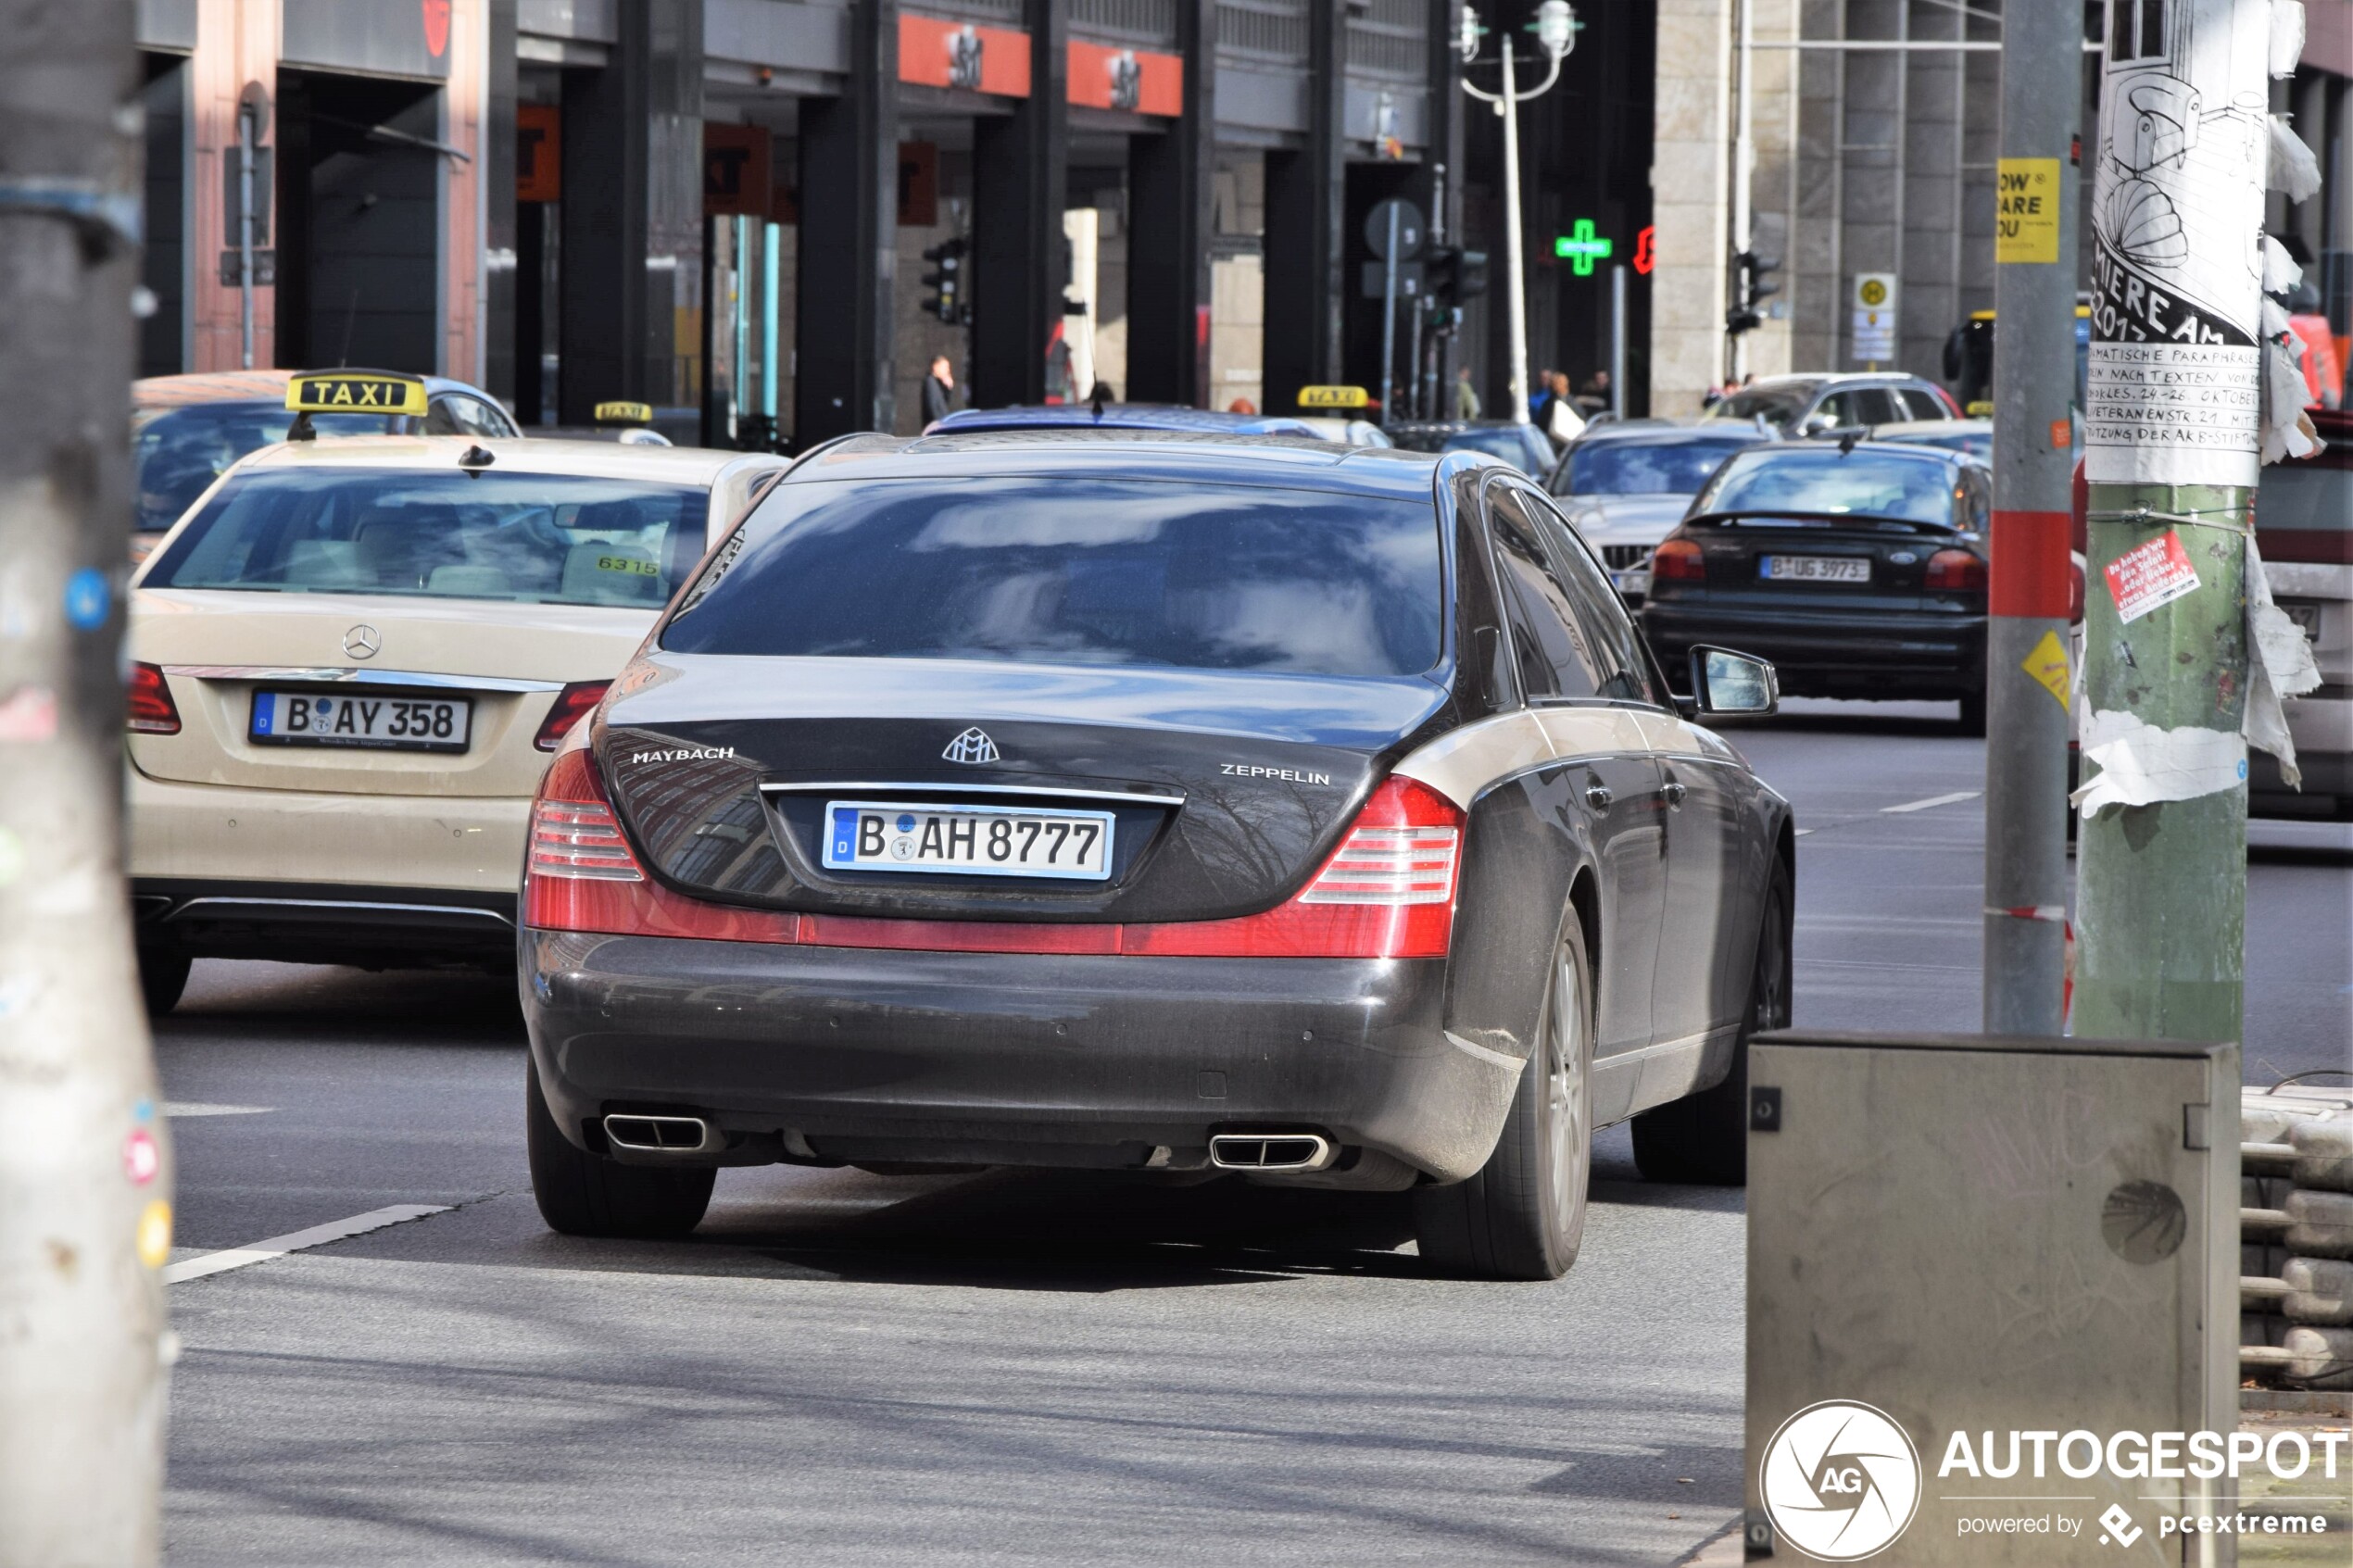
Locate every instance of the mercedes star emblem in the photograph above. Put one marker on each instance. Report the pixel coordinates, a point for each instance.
(363, 640)
(973, 746)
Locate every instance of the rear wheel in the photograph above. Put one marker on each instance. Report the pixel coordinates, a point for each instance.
(163, 979)
(584, 1194)
(1702, 1138)
(1523, 1215)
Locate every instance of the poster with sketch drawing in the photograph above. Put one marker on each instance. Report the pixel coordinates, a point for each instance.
(2174, 386)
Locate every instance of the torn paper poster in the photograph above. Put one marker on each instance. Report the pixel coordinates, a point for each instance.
(2294, 168)
(2174, 380)
(2141, 764)
(2281, 666)
(2287, 38)
(2280, 271)
(2287, 429)
(2152, 574)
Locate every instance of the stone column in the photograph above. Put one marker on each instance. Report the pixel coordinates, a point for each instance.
(1691, 158)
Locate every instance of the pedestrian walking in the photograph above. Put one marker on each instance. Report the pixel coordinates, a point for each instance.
(1466, 406)
(1560, 419)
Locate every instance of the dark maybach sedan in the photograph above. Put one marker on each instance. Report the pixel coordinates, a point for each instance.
(1858, 568)
(1167, 805)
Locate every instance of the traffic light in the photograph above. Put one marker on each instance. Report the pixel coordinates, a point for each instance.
(1752, 282)
(945, 281)
(1454, 274)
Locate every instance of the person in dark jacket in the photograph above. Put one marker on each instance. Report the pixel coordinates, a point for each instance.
(939, 390)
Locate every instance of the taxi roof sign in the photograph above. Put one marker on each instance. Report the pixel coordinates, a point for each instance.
(1334, 397)
(625, 413)
(355, 391)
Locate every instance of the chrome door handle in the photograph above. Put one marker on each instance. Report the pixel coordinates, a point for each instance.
(1674, 791)
(1598, 796)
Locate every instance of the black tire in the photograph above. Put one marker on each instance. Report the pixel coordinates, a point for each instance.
(1702, 1139)
(1972, 714)
(1523, 1215)
(584, 1194)
(163, 979)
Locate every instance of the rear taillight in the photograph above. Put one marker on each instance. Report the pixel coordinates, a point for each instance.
(1678, 560)
(149, 709)
(1387, 892)
(1956, 572)
(574, 703)
(580, 874)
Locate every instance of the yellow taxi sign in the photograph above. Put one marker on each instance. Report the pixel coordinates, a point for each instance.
(623, 413)
(1333, 397)
(355, 391)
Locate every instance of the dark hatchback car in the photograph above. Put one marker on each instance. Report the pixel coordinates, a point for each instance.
(1859, 569)
(1182, 806)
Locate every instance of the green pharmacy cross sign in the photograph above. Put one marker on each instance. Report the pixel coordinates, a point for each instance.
(1581, 248)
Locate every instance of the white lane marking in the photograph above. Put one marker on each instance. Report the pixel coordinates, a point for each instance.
(1800, 833)
(195, 1108)
(1955, 799)
(295, 1241)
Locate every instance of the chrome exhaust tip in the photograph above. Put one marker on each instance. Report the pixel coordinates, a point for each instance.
(1271, 1151)
(661, 1135)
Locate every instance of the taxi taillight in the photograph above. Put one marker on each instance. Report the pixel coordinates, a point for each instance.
(1678, 560)
(149, 708)
(572, 704)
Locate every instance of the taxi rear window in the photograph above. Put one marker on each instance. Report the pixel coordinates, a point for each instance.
(523, 537)
(1058, 571)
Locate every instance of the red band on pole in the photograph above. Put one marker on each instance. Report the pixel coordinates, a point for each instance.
(2031, 576)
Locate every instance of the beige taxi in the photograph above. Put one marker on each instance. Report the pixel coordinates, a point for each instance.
(351, 660)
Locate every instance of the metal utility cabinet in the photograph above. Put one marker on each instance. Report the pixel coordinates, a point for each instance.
(1984, 1234)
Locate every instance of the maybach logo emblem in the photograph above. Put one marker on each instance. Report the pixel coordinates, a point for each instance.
(1841, 1480)
(974, 746)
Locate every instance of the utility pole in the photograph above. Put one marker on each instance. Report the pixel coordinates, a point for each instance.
(85, 1216)
(1556, 30)
(2028, 688)
(2172, 424)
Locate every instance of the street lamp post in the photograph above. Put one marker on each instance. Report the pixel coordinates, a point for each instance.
(1556, 30)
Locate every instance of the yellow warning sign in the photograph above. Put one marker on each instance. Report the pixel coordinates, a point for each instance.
(2048, 664)
(2026, 218)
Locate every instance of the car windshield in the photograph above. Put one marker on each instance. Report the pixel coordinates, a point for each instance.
(179, 452)
(1644, 467)
(532, 537)
(1096, 571)
(1780, 404)
(1826, 481)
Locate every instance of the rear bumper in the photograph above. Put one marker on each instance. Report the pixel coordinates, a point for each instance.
(1823, 654)
(1005, 1058)
(2322, 726)
(219, 832)
(322, 922)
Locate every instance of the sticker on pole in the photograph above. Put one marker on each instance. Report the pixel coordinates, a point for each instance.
(2046, 664)
(2152, 574)
(2174, 375)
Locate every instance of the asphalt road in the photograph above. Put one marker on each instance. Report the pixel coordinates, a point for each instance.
(1009, 1368)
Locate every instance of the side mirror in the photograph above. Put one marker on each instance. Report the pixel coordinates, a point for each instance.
(1727, 682)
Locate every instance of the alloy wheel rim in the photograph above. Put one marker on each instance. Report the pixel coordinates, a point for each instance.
(1565, 1083)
